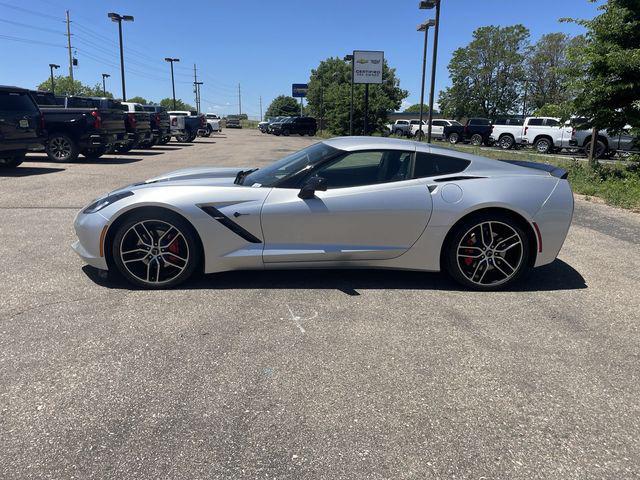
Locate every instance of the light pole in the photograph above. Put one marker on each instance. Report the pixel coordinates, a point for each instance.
(53, 83)
(173, 83)
(424, 27)
(104, 85)
(115, 17)
(428, 4)
(349, 58)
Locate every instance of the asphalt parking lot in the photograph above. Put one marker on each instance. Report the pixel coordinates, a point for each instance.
(307, 374)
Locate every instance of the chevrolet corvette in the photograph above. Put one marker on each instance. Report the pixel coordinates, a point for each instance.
(353, 202)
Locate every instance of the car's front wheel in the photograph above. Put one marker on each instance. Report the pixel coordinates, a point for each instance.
(488, 252)
(454, 138)
(155, 250)
(543, 145)
(476, 140)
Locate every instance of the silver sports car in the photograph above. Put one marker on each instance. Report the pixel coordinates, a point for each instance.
(355, 202)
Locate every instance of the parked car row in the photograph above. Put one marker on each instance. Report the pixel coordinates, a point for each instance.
(544, 134)
(69, 126)
(289, 125)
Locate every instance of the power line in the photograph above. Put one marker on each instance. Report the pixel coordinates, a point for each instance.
(34, 27)
(32, 12)
(27, 40)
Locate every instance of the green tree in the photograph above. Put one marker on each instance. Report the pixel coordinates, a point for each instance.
(548, 68)
(180, 105)
(416, 108)
(487, 74)
(65, 86)
(140, 100)
(284, 106)
(607, 73)
(329, 97)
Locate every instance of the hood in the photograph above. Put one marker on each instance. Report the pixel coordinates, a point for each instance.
(198, 176)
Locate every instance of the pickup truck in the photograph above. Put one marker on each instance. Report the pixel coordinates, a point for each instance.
(185, 125)
(404, 128)
(213, 124)
(21, 126)
(437, 127)
(138, 124)
(607, 144)
(546, 134)
(233, 121)
(80, 125)
(160, 123)
(476, 131)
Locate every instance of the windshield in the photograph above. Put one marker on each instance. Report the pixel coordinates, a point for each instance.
(289, 165)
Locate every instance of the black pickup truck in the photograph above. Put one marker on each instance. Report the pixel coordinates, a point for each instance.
(21, 126)
(80, 125)
(476, 131)
(160, 123)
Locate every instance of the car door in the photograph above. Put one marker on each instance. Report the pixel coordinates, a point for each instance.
(437, 128)
(19, 116)
(370, 210)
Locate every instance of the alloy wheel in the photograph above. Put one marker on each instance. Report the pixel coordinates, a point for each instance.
(60, 148)
(490, 253)
(155, 252)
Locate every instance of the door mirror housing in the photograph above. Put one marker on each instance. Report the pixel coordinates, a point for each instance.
(312, 185)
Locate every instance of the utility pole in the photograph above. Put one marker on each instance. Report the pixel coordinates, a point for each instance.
(239, 101)
(195, 85)
(198, 100)
(261, 119)
(173, 83)
(69, 48)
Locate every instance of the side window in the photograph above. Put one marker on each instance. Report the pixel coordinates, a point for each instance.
(552, 123)
(535, 122)
(439, 123)
(402, 122)
(430, 165)
(366, 168)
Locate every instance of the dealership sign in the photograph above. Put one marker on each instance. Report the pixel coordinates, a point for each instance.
(299, 90)
(367, 66)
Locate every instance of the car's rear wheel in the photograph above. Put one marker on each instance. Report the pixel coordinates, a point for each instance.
(600, 151)
(506, 142)
(543, 145)
(476, 140)
(155, 251)
(454, 138)
(13, 160)
(61, 148)
(488, 252)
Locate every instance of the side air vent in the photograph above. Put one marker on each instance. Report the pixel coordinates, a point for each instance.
(230, 224)
(456, 179)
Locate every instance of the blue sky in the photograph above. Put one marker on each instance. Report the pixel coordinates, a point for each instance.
(264, 45)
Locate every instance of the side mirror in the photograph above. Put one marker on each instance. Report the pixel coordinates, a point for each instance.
(314, 184)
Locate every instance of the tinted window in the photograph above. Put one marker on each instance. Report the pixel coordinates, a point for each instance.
(439, 123)
(402, 122)
(45, 99)
(552, 123)
(138, 108)
(366, 168)
(535, 122)
(454, 122)
(479, 121)
(430, 165)
(73, 102)
(16, 102)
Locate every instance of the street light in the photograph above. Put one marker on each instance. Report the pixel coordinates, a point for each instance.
(349, 58)
(424, 27)
(115, 17)
(53, 84)
(104, 87)
(173, 84)
(429, 4)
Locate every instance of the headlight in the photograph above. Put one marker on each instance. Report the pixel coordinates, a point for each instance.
(106, 201)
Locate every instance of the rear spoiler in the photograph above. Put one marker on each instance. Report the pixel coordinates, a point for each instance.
(552, 169)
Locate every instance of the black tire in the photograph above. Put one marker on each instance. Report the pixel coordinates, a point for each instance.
(506, 142)
(94, 153)
(164, 140)
(61, 148)
(491, 263)
(476, 140)
(182, 138)
(312, 133)
(285, 132)
(601, 149)
(399, 132)
(543, 145)
(189, 246)
(192, 137)
(12, 161)
(453, 138)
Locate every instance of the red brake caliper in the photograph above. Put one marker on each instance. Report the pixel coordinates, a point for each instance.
(468, 261)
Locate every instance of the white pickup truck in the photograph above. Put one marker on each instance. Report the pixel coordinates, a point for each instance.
(213, 124)
(437, 127)
(546, 134)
